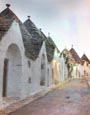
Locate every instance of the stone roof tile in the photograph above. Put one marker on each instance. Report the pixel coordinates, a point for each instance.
(75, 55)
(4, 26)
(39, 37)
(85, 58)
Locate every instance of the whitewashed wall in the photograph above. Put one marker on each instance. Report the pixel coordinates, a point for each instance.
(63, 69)
(13, 36)
(36, 72)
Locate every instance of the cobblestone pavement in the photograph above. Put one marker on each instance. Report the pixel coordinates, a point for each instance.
(72, 99)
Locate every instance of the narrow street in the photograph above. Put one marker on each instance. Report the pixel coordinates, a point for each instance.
(72, 99)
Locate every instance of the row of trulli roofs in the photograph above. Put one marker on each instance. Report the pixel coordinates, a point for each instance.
(33, 37)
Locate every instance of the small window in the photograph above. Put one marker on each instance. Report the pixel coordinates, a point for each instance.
(29, 80)
(29, 64)
(43, 56)
(87, 64)
(48, 71)
(42, 66)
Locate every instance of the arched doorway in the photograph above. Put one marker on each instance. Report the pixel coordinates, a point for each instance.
(12, 72)
(43, 71)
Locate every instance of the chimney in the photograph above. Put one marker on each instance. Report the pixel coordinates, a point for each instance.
(28, 17)
(72, 45)
(7, 5)
(48, 34)
(40, 29)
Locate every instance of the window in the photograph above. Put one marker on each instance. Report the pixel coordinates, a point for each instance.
(29, 80)
(87, 64)
(42, 66)
(29, 64)
(48, 72)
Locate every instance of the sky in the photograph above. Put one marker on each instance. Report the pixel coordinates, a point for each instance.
(67, 21)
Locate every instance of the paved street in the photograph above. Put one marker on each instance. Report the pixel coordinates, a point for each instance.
(72, 99)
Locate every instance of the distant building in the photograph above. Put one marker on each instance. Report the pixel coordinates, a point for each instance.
(76, 67)
(86, 64)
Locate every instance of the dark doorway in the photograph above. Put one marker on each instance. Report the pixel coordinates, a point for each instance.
(5, 71)
(43, 71)
(48, 77)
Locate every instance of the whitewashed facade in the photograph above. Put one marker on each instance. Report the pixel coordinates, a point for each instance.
(12, 51)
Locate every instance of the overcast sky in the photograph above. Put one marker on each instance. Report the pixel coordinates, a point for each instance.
(68, 21)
